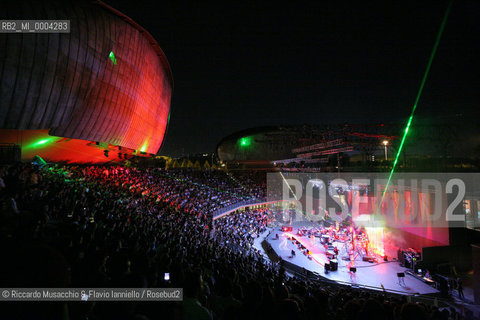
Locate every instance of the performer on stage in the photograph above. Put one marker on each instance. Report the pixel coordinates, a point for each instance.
(427, 275)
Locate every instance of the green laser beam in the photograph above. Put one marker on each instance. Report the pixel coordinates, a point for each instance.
(112, 57)
(245, 141)
(40, 143)
(420, 90)
(144, 147)
(288, 185)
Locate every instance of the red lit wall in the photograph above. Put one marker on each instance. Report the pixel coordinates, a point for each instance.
(59, 149)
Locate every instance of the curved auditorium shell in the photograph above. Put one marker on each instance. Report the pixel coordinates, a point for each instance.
(107, 82)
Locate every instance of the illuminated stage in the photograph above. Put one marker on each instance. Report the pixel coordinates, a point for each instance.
(368, 274)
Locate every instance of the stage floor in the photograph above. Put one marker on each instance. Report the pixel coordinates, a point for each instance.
(367, 274)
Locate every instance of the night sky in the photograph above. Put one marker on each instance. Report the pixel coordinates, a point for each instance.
(237, 66)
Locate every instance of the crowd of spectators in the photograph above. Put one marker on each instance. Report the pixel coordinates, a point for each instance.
(195, 191)
(91, 227)
(252, 182)
(240, 229)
